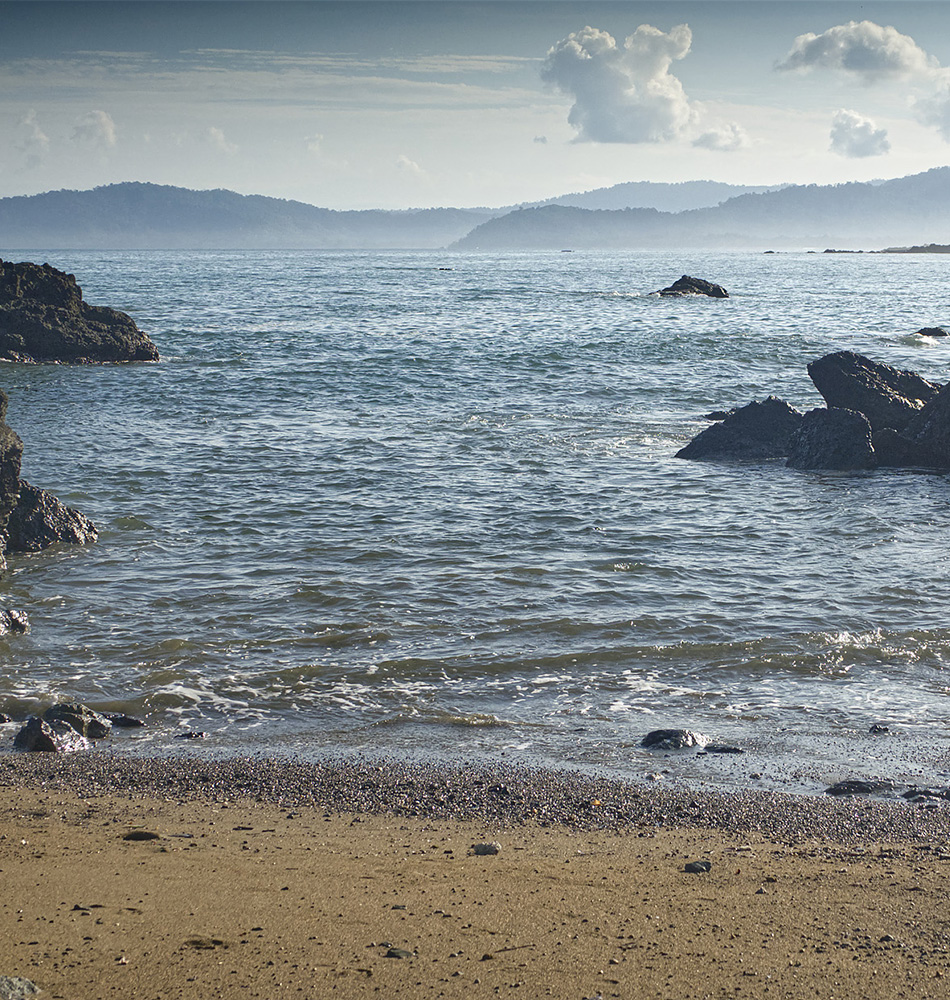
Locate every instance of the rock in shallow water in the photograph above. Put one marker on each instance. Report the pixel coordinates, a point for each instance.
(49, 737)
(80, 719)
(40, 520)
(756, 432)
(832, 439)
(693, 286)
(672, 739)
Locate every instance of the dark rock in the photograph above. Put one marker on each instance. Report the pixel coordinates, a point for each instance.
(832, 439)
(398, 953)
(11, 451)
(192, 734)
(697, 867)
(721, 748)
(141, 835)
(49, 737)
(719, 414)
(888, 397)
(916, 794)
(81, 719)
(895, 450)
(672, 739)
(5, 718)
(878, 728)
(693, 286)
(929, 431)
(756, 432)
(43, 318)
(124, 721)
(40, 520)
(856, 786)
(14, 623)
(933, 331)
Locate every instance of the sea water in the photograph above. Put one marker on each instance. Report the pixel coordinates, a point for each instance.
(426, 504)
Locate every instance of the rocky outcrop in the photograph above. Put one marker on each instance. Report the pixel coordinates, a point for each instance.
(43, 318)
(80, 719)
(756, 432)
(693, 286)
(832, 439)
(672, 739)
(932, 331)
(49, 737)
(11, 451)
(39, 520)
(888, 397)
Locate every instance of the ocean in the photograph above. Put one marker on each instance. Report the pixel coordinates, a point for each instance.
(425, 504)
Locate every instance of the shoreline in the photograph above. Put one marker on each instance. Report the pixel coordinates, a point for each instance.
(259, 879)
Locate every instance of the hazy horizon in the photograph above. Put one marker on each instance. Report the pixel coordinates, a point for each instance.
(398, 105)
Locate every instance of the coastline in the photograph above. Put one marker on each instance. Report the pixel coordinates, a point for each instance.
(264, 878)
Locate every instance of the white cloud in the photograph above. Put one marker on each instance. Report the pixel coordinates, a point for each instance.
(623, 94)
(35, 143)
(934, 110)
(726, 138)
(96, 128)
(217, 138)
(864, 48)
(855, 136)
(407, 166)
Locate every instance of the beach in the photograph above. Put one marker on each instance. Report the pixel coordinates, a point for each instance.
(354, 878)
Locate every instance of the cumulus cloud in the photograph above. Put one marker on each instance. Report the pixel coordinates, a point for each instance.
(623, 93)
(217, 138)
(725, 138)
(864, 48)
(854, 135)
(96, 128)
(34, 144)
(407, 166)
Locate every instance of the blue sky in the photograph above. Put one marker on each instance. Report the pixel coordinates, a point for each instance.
(448, 102)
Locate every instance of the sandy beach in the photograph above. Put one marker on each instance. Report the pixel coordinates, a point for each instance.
(165, 879)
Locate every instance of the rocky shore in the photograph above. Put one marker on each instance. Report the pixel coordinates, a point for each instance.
(487, 793)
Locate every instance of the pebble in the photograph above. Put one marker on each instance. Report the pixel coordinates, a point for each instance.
(697, 867)
(493, 848)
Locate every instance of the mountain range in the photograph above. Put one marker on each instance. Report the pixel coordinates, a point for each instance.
(700, 214)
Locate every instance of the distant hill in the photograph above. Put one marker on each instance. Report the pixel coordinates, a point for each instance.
(679, 197)
(912, 209)
(153, 216)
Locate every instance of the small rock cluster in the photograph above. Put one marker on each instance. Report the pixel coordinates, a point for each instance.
(876, 416)
(67, 727)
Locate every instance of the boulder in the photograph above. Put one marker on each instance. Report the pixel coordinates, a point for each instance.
(43, 318)
(49, 737)
(832, 439)
(672, 739)
(929, 430)
(932, 331)
(888, 397)
(39, 520)
(13, 622)
(693, 286)
(896, 451)
(80, 719)
(754, 432)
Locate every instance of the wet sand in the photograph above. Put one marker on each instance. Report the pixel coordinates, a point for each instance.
(358, 879)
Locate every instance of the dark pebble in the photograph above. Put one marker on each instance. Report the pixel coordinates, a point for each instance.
(125, 721)
(697, 867)
(398, 953)
(141, 835)
(192, 734)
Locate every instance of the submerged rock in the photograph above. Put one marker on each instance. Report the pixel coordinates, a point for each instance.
(754, 432)
(49, 737)
(932, 331)
(693, 286)
(40, 520)
(888, 397)
(832, 439)
(43, 318)
(859, 786)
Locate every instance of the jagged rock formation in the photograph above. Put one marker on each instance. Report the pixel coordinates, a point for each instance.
(752, 433)
(832, 439)
(39, 520)
(43, 318)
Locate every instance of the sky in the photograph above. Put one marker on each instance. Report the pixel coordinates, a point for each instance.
(350, 104)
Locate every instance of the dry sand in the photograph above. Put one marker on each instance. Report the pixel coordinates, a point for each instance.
(242, 898)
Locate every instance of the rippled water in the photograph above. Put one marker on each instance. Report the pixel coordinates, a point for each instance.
(427, 503)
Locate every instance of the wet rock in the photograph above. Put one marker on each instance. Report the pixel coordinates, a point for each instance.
(192, 734)
(5, 718)
(672, 739)
(49, 737)
(697, 867)
(81, 719)
(755, 432)
(11, 451)
(124, 721)
(832, 439)
(693, 286)
(888, 397)
(40, 520)
(878, 728)
(17, 988)
(721, 748)
(857, 786)
(933, 331)
(896, 451)
(43, 318)
(14, 623)
(929, 430)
